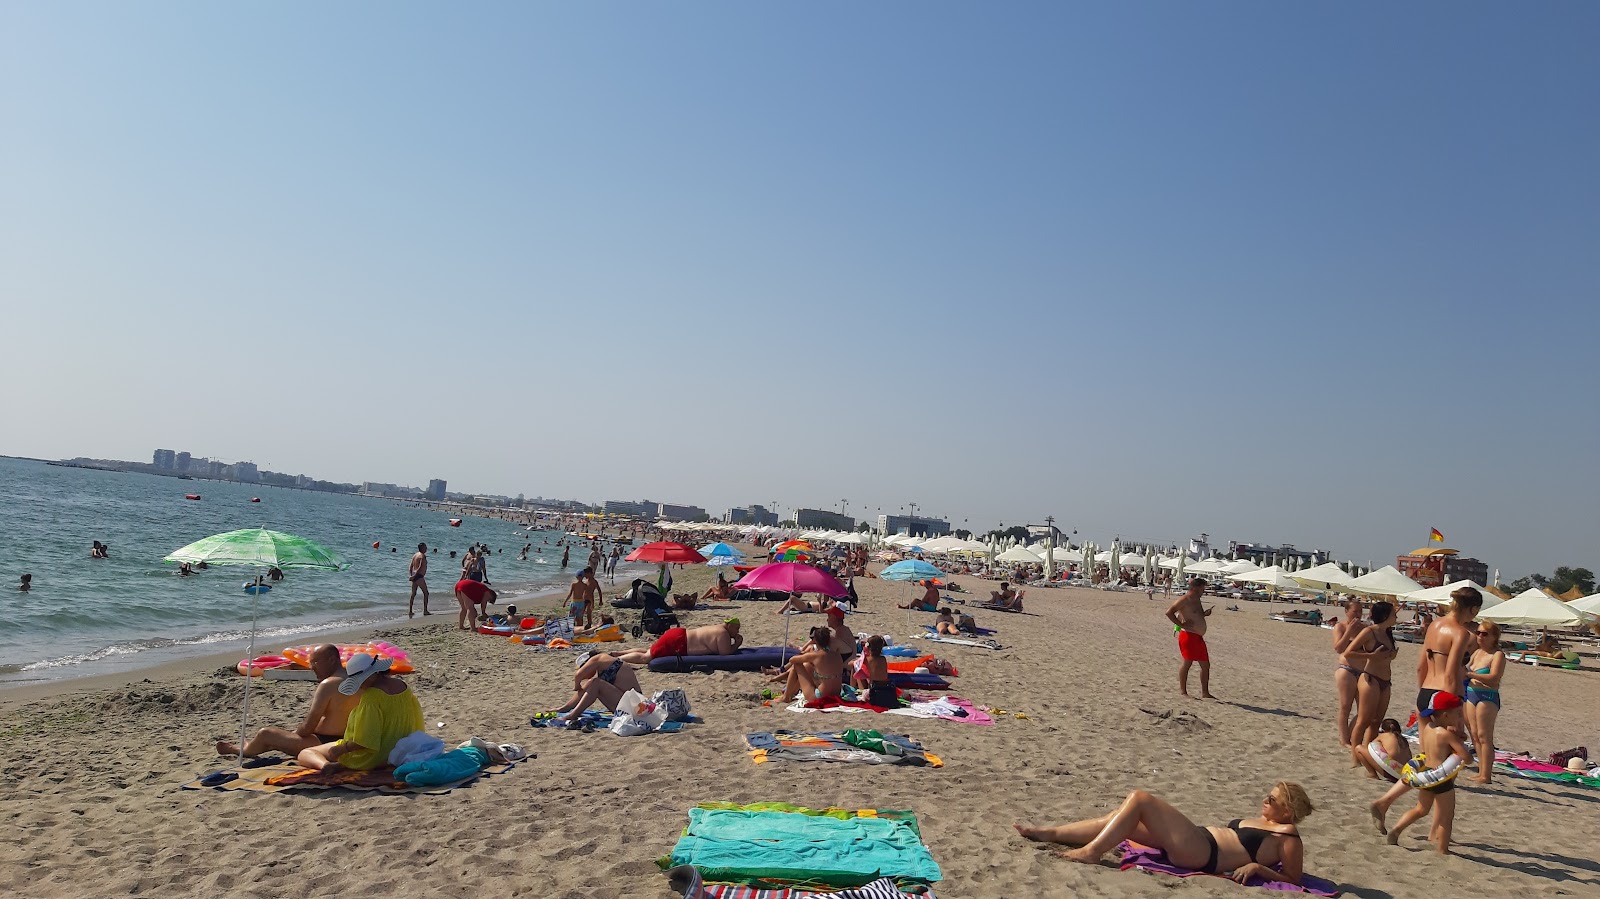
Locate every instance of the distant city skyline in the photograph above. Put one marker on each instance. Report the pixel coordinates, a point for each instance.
(1307, 273)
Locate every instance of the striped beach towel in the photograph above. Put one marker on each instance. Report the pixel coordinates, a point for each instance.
(883, 888)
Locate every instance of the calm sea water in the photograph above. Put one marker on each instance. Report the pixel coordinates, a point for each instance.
(90, 616)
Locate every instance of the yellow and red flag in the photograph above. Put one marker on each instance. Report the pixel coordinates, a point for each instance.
(1434, 536)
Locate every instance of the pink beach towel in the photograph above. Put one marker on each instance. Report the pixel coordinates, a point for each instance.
(1146, 858)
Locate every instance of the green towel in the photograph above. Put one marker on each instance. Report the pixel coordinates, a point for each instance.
(814, 849)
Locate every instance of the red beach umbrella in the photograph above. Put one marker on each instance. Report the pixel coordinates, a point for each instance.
(666, 553)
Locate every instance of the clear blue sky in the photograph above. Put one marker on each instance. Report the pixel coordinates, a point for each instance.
(1319, 273)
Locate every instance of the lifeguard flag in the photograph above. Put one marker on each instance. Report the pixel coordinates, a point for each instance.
(1434, 536)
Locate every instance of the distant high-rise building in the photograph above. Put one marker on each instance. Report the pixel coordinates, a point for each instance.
(679, 513)
(183, 461)
(643, 508)
(435, 490)
(246, 472)
(752, 514)
(164, 459)
(915, 525)
(822, 518)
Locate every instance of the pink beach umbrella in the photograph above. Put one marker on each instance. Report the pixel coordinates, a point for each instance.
(792, 577)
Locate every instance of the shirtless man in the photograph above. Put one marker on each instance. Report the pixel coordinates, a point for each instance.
(1445, 648)
(419, 578)
(597, 597)
(579, 599)
(1189, 618)
(324, 723)
(710, 640)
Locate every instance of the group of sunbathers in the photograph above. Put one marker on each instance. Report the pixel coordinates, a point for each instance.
(359, 711)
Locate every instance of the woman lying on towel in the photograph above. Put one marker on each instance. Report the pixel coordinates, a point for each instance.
(1245, 847)
(602, 676)
(819, 674)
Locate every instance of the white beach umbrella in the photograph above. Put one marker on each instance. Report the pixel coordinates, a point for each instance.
(1272, 577)
(1386, 581)
(1440, 596)
(1535, 608)
(1149, 570)
(1018, 554)
(1116, 558)
(1207, 566)
(1133, 560)
(1586, 604)
(1326, 576)
(1242, 566)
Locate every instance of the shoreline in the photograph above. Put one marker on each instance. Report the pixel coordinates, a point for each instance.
(174, 661)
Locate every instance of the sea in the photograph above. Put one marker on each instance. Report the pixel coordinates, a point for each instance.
(98, 616)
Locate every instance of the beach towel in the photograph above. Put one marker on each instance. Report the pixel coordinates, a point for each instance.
(600, 720)
(944, 708)
(774, 845)
(958, 641)
(1521, 765)
(692, 886)
(1146, 858)
(287, 775)
(983, 631)
(865, 747)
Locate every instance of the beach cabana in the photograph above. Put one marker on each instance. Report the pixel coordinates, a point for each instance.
(1535, 608)
(1385, 581)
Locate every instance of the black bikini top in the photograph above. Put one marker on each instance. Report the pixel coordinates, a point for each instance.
(1251, 838)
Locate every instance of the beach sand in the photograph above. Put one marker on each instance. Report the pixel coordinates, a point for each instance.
(91, 806)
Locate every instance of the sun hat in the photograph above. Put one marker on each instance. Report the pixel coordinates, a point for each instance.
(1577, 764)
(360, 667)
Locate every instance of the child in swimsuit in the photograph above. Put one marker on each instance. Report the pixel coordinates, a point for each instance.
(1440, 743)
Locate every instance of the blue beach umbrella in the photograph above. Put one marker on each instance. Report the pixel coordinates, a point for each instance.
(719, 554)
(910, 570)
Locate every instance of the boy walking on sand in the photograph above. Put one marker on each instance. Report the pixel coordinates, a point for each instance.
(1442, 752)
(1189, 620)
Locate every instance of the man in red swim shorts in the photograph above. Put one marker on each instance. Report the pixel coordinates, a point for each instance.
(711, 640)
(674, 642)
(1188, 617)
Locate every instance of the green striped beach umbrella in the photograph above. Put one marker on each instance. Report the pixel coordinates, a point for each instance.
(258, 548)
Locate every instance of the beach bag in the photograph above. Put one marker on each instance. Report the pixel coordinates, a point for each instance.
(636, 715)
(674, 702)
(558, 629)
(1560, 759)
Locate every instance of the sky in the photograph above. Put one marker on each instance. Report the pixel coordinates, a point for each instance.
(1315, 273)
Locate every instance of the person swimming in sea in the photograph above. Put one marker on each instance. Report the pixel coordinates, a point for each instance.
(99, 551)
(27, 583)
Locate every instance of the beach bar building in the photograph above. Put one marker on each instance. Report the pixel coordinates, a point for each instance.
(1439, 566)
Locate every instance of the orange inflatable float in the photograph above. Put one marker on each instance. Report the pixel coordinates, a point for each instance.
(300, 656)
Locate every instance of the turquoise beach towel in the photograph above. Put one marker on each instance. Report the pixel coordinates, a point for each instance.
(743, 845)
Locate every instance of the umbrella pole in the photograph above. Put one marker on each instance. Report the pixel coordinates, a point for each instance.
(783, 654)
(244, 717)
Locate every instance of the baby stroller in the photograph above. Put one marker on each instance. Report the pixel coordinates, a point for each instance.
(656, 617)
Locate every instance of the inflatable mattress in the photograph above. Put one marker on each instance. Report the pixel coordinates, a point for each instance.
(750, 658)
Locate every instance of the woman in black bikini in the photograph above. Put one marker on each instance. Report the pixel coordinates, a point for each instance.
(1268, 847)
(1345, 675)
(1373, 651)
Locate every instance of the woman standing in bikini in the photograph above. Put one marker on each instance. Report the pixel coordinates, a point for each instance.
(1345, 674)
(1244, 848)
(1484, 671)
(1373, 651)
(1446, 645)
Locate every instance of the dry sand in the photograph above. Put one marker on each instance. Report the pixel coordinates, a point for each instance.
(91, 806)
